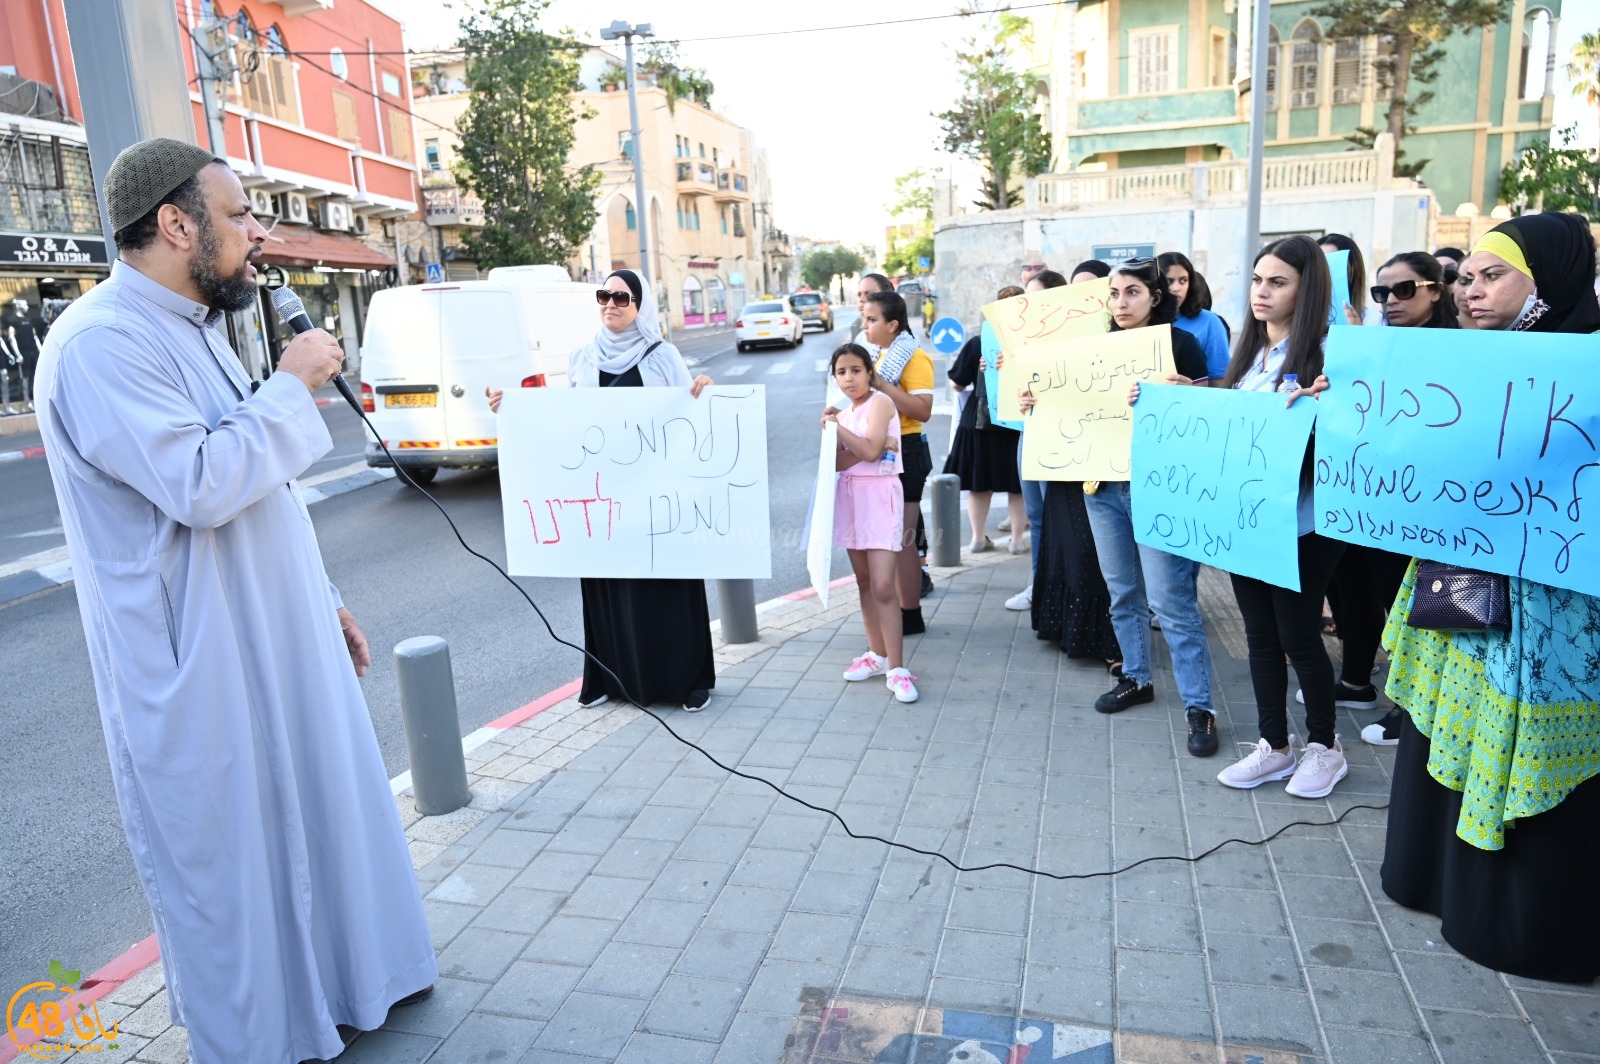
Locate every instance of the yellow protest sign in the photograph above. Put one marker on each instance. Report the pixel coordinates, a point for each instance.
(1081, 426)
(1036, 324)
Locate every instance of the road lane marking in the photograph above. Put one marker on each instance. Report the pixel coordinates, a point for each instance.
(737, 371)
(822, 365)
(780, 367)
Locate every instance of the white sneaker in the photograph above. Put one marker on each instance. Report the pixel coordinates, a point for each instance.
(1019, 544)
(1022, 600)
(1005, 524)
(1319, 770)
(981, 546)
(903, 684)
(866, 666)
(1262, 765)
(600, 701)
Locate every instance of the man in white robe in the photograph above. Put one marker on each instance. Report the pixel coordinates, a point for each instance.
(251, 789)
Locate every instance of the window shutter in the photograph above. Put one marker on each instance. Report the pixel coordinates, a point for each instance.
(399, 134)
(286, 94)
(344, 116)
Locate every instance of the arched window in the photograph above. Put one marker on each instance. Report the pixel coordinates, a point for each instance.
(1306, 60)
(1346, 85)
(1536, 46)
(275, 43)
(1274, 46)
(633, 220)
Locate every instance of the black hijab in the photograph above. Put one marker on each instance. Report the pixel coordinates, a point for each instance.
(1559, 250)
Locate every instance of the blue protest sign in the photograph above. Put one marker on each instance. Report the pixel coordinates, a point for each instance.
(1216, 477)
(948, 335)
(1339, 268)
(1478, 449)
(435, 273)
(990, 346)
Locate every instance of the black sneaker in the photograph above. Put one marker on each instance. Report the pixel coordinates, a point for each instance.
(1202, 733)
(1128, 692)
(1348, 697)
(1385, 731)
(911, 622)
(927, 583)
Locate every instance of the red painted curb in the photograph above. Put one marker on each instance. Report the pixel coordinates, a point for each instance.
(534, 708)
(102, 982)
(811, 592)
(17, 456)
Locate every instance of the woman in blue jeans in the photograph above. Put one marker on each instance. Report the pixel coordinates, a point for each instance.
(1142, 579)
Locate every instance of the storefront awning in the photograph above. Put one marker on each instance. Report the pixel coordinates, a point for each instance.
(291, 245)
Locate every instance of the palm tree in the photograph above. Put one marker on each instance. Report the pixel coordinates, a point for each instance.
(1584, 69)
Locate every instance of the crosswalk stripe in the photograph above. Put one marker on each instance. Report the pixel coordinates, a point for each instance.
(822, 365)
(737, 371)
(780, 367)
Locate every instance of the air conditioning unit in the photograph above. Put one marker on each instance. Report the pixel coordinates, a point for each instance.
(334, 215)
(292, 207)
(360, 225)
(261, 201)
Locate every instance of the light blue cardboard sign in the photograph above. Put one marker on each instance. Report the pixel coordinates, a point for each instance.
(1216, 477)
(991, 376)
(1478, 449)
(1339, 268)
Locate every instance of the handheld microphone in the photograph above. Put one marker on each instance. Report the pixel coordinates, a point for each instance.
(293, 312)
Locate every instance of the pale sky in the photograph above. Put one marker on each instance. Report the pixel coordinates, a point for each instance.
(842, 113)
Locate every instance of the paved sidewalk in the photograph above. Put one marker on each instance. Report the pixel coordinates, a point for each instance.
(613, 896)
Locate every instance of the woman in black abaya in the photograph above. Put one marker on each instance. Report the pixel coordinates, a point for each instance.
(654, 634)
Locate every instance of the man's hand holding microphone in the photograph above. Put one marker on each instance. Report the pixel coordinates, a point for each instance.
(314, 357)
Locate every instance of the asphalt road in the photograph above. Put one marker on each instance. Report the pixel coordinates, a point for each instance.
(67, 885)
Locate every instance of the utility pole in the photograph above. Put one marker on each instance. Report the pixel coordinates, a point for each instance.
(214, 64)
(628, 33)
(1259, 43)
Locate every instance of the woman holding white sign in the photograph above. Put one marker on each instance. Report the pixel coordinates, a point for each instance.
(655, 635)
(1494, 816)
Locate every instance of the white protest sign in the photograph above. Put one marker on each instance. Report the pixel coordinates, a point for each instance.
(635, 482)
(819, 548)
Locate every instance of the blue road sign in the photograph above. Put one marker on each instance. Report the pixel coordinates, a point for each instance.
(435, 273)
(948, 335)
(1115, 253)
(923, 262)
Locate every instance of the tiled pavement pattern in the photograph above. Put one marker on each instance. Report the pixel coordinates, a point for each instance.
(634, 903)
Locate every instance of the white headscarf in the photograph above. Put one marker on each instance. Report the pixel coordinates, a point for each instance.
(618, 352)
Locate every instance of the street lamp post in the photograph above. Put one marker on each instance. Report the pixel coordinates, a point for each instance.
(628, 33)
(1259, 43)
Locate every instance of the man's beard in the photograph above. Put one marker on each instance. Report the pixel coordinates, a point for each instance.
(220, 292)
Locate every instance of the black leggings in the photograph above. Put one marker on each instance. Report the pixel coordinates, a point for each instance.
(1367, 580)
(1278, 621)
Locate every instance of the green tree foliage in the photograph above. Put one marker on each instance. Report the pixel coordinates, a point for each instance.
(1546, 178)
(1419, 29)
(913, 198)
(659, 65)
(993, 122)
(515, 136)
(818, 268)
(1584, 69)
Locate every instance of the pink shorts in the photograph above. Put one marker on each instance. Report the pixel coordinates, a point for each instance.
(868, 513)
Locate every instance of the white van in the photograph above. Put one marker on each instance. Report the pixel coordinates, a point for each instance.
(431, 350)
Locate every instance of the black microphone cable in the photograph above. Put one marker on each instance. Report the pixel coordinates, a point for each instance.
(865, 837)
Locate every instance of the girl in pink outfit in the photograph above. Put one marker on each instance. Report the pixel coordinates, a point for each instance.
(869, 514)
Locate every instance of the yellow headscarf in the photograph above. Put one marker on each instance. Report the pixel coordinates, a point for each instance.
(1503, 246)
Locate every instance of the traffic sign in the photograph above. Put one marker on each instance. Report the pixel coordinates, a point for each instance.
(923, 262)
(948, 335)
(1115, 253)
(435, 273)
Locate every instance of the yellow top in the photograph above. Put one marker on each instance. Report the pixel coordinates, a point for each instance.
(915, 379)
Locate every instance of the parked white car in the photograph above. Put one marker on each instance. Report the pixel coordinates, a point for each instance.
(769, 322)
(431, 350)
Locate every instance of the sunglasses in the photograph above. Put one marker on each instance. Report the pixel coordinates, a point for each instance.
(617, 299)
(1400, 290)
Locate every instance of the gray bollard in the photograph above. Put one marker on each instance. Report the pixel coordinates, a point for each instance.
(736, 601)
(944, 532)
(433, 731)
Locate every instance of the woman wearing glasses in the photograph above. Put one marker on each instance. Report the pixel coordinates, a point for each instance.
(654, 634)
(1412, 293)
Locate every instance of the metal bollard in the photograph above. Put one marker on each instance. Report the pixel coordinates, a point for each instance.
(736, 601)
(944, 532)
(433, 731)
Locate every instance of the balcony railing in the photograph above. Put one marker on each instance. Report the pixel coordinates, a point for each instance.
(451, 206)
(697, 178)
(45, 186)
(732, 186)
(1224, 181)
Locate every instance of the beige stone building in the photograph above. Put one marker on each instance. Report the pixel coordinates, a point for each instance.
(713, 242)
